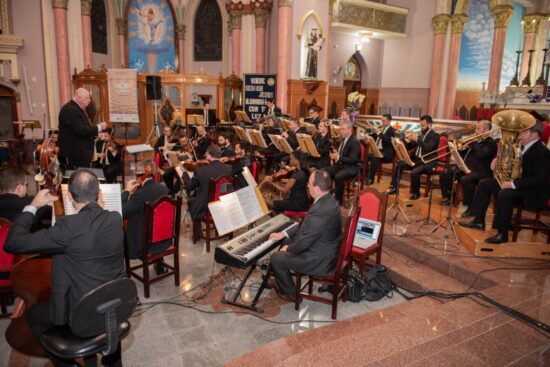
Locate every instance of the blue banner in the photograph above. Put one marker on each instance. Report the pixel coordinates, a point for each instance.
(258, 88)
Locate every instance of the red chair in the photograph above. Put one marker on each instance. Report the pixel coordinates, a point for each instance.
(255, 169)
(373, 207)
(217, 187)
(158, 161)
(442, 162)
(338, 281)
(162, 225)
(6, 264)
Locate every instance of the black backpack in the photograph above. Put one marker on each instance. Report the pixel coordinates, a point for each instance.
(374, 286)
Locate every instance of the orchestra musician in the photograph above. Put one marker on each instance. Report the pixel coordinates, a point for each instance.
(312, 247)
(292, 140)
(242, 155)
(425, 144)
(209, 115)
(201, 142)
(134, 197)
(53, 138)
(270, 127)
(108, 156)
(272, 109)
(531, 189)
(296, 184)
(199, 181)
(87, 249)
(170, 176)
(383, 141)
(225, 146)
(345, 114)
(478, 158)
(346, 160)
(322, 143)
(313, 117)
(162, 142)
(76, 134)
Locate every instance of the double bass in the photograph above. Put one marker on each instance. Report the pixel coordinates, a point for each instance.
(31, 276)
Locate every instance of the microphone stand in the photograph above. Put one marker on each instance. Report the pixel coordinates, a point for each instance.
(449, 218)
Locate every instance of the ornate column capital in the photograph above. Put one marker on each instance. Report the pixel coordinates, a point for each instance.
(502, 14)
(121, 26)
(86, 7)
(331, 6)
(531, 23)
(440, 23)
(458, 21)
(282, 3)
(61, 4)
(180, 31)
(236, 19)
(260, 16)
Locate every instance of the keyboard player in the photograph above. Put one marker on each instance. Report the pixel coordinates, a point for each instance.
(311, 248)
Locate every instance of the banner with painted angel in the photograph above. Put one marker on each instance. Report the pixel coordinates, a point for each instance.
(151, 36)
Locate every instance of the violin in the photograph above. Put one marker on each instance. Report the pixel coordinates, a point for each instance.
(282, 173)
(193, 166)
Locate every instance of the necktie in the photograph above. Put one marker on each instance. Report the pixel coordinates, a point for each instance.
(418, 149)
(342, 146)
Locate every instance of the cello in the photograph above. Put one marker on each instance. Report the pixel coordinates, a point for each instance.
(31, 276)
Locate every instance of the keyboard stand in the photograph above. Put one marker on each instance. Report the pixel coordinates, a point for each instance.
(250, 306)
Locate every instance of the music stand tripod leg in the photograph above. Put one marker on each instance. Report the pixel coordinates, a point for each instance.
(396, 201)
(428, 220)
(449, 218)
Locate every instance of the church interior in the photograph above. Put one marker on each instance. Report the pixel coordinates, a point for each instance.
(339, 182)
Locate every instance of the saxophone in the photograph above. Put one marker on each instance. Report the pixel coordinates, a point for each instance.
(508, 160)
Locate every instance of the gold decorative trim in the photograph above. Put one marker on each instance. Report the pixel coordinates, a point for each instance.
(260, 17)
(236, 19)
(86, 7)
(300, 27)
(441, 23)
(10, 43)
(331, 6)
(372, 16)
(282, 3)
(121, 26)
(502, 14)
(458, 22)
(61, 4)
(531, 23)
(180, 31)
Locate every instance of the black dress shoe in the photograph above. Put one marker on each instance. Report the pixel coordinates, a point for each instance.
(414, 197)
(500, 237)
(160, 267)
(325, 288)
(445, 203)
(467, 214)
(369, 182)
(392, 191)
(473, 225)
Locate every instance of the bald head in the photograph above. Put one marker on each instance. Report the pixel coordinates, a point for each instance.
(82, 97)
(84, 186)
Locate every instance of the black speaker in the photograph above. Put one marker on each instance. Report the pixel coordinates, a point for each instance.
(153, 87)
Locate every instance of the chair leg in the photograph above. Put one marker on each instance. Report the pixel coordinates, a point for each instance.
(127, 264)
(517, 223)
(537, 222)
(176, 269)
(146, 284)
(207, 236)
(335, 292)
(379, 256)
(298, 295)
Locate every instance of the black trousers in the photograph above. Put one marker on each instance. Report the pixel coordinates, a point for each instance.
(38, 318)
(168, 178)
(339, 174)
(416, 172)
(373, 165)
(111, 171)
(469, 183)
(507, 199)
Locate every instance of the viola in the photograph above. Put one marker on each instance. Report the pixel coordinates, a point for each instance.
(284, 172)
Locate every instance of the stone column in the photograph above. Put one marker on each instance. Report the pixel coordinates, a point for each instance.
(236, 24)
(122, 30)
(260, 16)
(62, 50)
(501, 15)
(180, 36)
(530, 28)
(458, 21)
(440, 24)
(86, 15)
(283, 49)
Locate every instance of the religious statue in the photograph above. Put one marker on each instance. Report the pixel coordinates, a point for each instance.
(314, 44)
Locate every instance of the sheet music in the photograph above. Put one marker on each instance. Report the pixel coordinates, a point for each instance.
(249, 202)
(111, 194)
(223, 224)
(139, 148)
(248, 177)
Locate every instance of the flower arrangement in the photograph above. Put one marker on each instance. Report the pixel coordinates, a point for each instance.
(355, 100)
(534, 98)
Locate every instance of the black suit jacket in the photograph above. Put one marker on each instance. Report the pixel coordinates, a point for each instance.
(322, 143)
(160, 142)
(87, 251)
(228, 151)
(350, 157)
(427, 145)
(204, 143)
(387, 147)
(11, 205)
(133, 209)
(198, 207)
(292, 139)
(276, 111)
(535, 173)
(211, 117)
(317, 239)
(479, 157)
(76, 135)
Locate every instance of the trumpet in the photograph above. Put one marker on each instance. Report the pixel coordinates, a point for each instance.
(411, 135)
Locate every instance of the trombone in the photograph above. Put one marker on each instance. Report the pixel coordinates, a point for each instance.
(460, 144)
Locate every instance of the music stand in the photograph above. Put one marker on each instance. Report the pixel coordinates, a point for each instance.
(307, 145)
(242, 134)
(428, 220)
(257, 138)
(242, 116)
(281, 143)
(157, 127)
(396, 204)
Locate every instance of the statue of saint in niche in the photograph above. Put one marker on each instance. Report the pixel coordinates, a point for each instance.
(314, 44)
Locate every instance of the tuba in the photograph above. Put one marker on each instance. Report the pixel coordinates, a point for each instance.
(508, 161)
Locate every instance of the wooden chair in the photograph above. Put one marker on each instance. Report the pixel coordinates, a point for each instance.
(161, 227)
(338, 281)
(534, 225)
(6, 264)
(217, 187)
(442, 162)
(373, 207)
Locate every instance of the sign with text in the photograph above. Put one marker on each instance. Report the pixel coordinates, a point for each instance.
(258, 88)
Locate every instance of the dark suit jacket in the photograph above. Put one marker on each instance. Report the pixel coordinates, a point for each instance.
(427, 144)
(350, 157)
(11, 205)
(479, 157)
(387, 147)
(198, 207)
(133, 209)
(87, 250)
(276, 111)
(535, 173)
(322, 143)
(76, 135)
(228, 152)
(113, 159)
(160, 142)
(204, 143)
(292, 139)
(317, 239)
(211, 117)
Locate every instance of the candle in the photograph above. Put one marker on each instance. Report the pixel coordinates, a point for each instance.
(521, 37)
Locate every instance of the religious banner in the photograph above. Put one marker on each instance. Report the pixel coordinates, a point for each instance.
(123, 103)
(258, 88)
